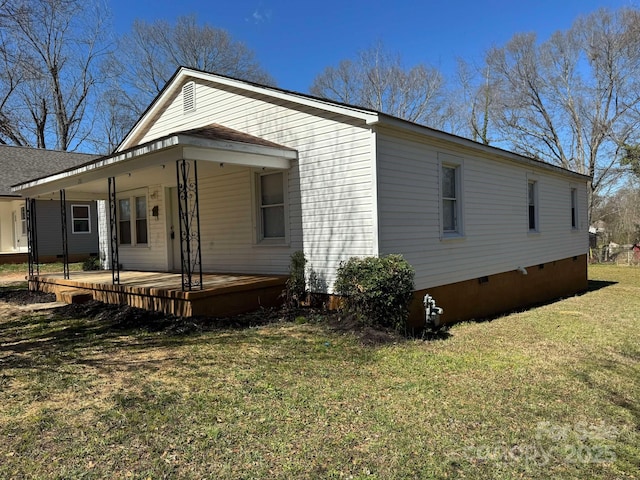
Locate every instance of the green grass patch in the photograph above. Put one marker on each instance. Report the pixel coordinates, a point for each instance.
(552, 392)
(23, 268)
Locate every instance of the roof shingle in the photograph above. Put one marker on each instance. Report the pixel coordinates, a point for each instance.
(19, 164)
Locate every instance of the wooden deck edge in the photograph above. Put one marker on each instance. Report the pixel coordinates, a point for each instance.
(216, 301)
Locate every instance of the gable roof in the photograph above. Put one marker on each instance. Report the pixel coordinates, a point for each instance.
(184, 73)
(369, 116)
(18, 164)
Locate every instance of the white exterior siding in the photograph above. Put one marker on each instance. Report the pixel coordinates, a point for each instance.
(494, 212)
(153, 255)
(228, 236)
(329, 187)
(7, 243)
(11, 227)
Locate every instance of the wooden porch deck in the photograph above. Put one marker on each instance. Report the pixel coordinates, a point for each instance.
(222, 295)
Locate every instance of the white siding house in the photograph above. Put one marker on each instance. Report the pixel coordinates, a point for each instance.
(280, 171)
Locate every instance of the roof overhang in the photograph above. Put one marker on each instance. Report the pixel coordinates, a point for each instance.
(427, 132)
(162, 151)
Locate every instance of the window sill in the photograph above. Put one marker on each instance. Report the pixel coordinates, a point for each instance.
(272, 242)
(447, 237)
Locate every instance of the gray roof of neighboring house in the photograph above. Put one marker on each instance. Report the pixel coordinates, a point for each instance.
(19, 164)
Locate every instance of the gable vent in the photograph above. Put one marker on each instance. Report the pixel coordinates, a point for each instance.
(189, 97)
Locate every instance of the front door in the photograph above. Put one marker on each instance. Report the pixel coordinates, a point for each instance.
(20, 230)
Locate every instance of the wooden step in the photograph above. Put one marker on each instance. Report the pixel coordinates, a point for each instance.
(73, 295)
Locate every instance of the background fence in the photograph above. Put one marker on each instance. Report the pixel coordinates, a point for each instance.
(615, 254)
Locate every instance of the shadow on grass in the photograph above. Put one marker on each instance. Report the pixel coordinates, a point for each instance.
(595, 285)
(87, 333)
(618, 393)
(53, 337)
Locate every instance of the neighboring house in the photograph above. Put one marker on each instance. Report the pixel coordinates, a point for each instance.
(18, 164)
(485, 229)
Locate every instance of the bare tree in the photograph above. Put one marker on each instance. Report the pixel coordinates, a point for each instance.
(619, 212)
(377, 80)
(49, 53)
(471, 104)
(572, 100)
(147, 57)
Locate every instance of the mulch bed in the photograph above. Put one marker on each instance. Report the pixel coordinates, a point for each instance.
(25, 297)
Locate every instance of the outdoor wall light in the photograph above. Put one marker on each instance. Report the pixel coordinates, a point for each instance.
(155, 211)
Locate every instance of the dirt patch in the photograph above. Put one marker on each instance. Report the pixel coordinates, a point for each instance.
(126, 317)
(25, 297)
(366, 335)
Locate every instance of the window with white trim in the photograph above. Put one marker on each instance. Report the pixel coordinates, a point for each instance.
(574, 208)
(532, 195)
(451, 196)
(80, 219)
(271, 203)
(132, 222)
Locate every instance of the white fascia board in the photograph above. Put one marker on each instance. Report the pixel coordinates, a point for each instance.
(144, 156)
(465, 142)
(234, 158)
(367, 115)
(72, 196)
(239, 147)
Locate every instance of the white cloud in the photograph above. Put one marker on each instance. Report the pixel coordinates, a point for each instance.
(260, 15)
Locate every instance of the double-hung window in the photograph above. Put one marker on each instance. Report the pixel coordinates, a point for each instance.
(532, 190)
(23, 220)
(451, 198)
(574, 208)
(132, 222)
(141, 220)
(80, 219)
(271, 207)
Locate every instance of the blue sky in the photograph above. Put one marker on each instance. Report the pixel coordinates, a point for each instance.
(296, 40)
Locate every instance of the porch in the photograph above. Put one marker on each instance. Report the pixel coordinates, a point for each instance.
(222, 294)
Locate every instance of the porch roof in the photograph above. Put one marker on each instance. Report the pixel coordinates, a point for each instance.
(211, 143)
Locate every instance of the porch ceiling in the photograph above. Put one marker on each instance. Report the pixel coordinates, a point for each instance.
(155, 163)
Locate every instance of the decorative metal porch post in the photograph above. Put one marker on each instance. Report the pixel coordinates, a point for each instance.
(32, 236)
(189, 220)
(113, 232)
(63, 220)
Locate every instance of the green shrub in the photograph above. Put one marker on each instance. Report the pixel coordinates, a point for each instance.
(296, 284)
(91, 263)
(376, 290)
